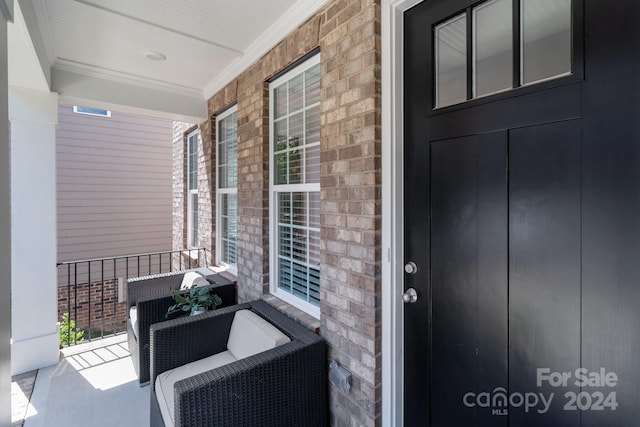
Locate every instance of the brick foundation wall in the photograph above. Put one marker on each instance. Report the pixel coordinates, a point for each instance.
(348, 34)
(89, 306)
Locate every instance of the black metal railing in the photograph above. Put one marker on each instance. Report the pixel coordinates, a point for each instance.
(92, 291)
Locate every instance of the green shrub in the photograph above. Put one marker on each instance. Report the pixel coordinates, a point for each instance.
(69, 334)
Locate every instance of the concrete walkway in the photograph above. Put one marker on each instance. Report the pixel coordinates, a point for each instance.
(21, 390)
(94, 384)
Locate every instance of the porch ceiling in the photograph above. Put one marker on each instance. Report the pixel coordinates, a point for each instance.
(91, 45)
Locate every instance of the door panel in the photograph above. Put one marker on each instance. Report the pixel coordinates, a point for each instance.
(469, 275)
(527, 110)
(492, 268)
(611, 207)
(544, 265)
(416, 320)
(454, 288)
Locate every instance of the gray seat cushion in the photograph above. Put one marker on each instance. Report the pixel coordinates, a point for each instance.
(166, 380)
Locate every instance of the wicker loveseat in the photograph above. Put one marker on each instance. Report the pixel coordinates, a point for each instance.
(285, 385)
(149, 297)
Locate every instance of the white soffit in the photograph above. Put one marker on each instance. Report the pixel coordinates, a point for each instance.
(109, 44)
(206, 42)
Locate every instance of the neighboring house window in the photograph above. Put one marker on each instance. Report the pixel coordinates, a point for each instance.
(192, 188)
(295, 186)
(91, 111)
(227, 194)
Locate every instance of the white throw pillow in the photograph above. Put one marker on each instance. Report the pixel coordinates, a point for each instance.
(251, 334)
(192, 279)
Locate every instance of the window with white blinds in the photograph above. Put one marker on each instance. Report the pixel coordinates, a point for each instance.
(227, 191)
(295, 186)
(192, 188)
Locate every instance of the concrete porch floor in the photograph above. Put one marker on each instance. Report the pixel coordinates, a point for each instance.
(21, 390)
(94, 384)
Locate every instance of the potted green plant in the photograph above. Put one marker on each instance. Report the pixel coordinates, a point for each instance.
(196, 301)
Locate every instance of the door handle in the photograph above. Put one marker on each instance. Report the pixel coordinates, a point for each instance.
(410, 296)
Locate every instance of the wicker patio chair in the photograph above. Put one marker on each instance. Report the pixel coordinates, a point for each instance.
(283, 386)
(152, 295)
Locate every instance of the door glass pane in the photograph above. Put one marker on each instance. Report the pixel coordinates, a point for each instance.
(451, 61)
(493, 47)
(546, 39)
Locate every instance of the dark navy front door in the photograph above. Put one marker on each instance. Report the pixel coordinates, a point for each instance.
(522, 215)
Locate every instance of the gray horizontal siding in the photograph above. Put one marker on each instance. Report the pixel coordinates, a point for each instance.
(114, 185)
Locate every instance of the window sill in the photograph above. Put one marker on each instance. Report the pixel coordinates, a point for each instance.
(224, 272)
(295, 313)
(192, 253)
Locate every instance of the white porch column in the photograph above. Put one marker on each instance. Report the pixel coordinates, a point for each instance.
(33, 117)
(5, 224)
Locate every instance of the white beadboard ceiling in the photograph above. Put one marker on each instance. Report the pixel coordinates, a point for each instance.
(206, 42)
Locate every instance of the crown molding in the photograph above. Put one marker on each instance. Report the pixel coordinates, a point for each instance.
(125, 78)
(289, 21)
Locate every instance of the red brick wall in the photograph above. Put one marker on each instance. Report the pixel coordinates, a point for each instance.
(348, 34)
(89, 306)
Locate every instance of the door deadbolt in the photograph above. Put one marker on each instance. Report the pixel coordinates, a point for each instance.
(411, 268)
(410, 296)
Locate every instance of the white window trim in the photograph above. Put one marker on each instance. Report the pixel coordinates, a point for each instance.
(232, 268)
(191, 192)
(273, 286)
